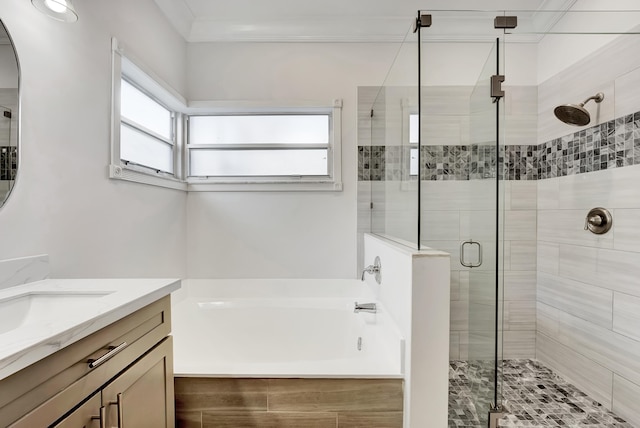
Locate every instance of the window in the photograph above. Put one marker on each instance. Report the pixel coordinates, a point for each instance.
(265, 147)
(158, 138)
(146, 130)
(146, 115)
(413, 144)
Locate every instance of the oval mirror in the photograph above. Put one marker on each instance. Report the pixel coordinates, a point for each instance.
(9, 110)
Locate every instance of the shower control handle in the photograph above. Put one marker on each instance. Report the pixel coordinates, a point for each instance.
(593, 221)
(598, 221)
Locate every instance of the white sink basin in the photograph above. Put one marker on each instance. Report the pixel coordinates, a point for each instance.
(36, 307)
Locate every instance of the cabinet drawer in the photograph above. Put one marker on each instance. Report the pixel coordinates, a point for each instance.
(140, 397)
(67, 372)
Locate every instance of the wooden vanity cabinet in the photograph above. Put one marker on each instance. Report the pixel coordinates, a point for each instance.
(131, 387)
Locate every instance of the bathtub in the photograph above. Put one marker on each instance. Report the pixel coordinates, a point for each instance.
(282, 328)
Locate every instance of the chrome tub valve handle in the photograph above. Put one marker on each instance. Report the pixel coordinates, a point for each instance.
(374, 269)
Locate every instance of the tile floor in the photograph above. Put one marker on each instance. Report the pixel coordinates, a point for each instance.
(534, 395)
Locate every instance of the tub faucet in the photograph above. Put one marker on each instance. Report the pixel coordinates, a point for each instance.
(365, 307)
(373, 269)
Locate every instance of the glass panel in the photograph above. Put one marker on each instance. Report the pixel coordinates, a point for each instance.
(142, 149)
(259, 129)
(143, 110)
(253, 163)
(481, 222)
(394, 190)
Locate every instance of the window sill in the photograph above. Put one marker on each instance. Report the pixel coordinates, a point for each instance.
(132, 174)
(298, 186)
(117, 172)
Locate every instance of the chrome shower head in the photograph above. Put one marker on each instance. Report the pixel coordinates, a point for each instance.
(577, 115)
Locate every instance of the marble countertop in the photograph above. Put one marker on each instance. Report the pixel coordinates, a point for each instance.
(63, 311)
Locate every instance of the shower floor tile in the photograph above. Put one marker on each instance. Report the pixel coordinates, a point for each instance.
(533, 394)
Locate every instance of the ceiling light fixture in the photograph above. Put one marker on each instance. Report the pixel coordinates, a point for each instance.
(61, 10)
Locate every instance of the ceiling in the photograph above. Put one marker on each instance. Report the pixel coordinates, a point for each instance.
(346, 20)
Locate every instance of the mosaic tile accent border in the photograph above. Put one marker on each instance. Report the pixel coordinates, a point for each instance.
(8, 162)
(534, 396)
(613, 144)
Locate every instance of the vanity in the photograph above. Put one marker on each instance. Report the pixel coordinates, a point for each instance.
(87, 353)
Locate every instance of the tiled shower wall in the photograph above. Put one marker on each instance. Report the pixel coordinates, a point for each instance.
(588, 295)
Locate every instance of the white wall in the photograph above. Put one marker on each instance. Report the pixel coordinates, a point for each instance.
(281, 234)
(63, 203)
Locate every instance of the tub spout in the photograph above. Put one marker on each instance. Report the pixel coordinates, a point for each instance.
(365, 307)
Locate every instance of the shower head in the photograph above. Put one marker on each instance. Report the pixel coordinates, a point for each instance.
(577, 115)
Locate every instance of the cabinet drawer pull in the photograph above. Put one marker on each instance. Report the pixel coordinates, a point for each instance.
(113, 350)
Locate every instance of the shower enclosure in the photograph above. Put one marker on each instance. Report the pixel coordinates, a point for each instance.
(445, 142)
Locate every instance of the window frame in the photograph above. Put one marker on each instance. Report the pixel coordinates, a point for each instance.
(123, 63)
(331, 182)
(126, 67)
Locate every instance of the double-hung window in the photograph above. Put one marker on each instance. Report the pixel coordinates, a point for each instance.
(265, 149)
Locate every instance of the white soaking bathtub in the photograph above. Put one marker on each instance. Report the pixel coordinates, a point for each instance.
(282, 328)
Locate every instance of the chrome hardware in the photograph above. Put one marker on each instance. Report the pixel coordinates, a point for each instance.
(113, 350)
(365, 307)
(496, 87)
(462, 257)
(495, 414)
(505, 22)
(374, 269)
(359, 343)
(598, 221)
(424, 20)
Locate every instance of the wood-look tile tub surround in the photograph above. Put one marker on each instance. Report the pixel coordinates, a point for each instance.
(288, 403)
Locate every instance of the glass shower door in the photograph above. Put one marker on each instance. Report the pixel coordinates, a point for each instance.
(479, 245)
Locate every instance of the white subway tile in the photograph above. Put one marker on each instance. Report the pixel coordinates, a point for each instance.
(440, 225)
(626, 315)
(627, 93)
(548, 194)
(522, 255)
(611, 350)
(523, 195)
(520, 285)
(626, 229)
(454, 345)
(577, 298)
(459, 315)
(548, 255)
(520, 225)
(589, 376)
(626, 396)
(519, 344)
(519, 315)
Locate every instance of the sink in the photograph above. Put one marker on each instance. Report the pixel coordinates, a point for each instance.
(38, 307)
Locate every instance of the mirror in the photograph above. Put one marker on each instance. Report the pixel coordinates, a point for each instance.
(9, 110)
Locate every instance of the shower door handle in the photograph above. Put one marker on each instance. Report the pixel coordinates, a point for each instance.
(463, 261)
